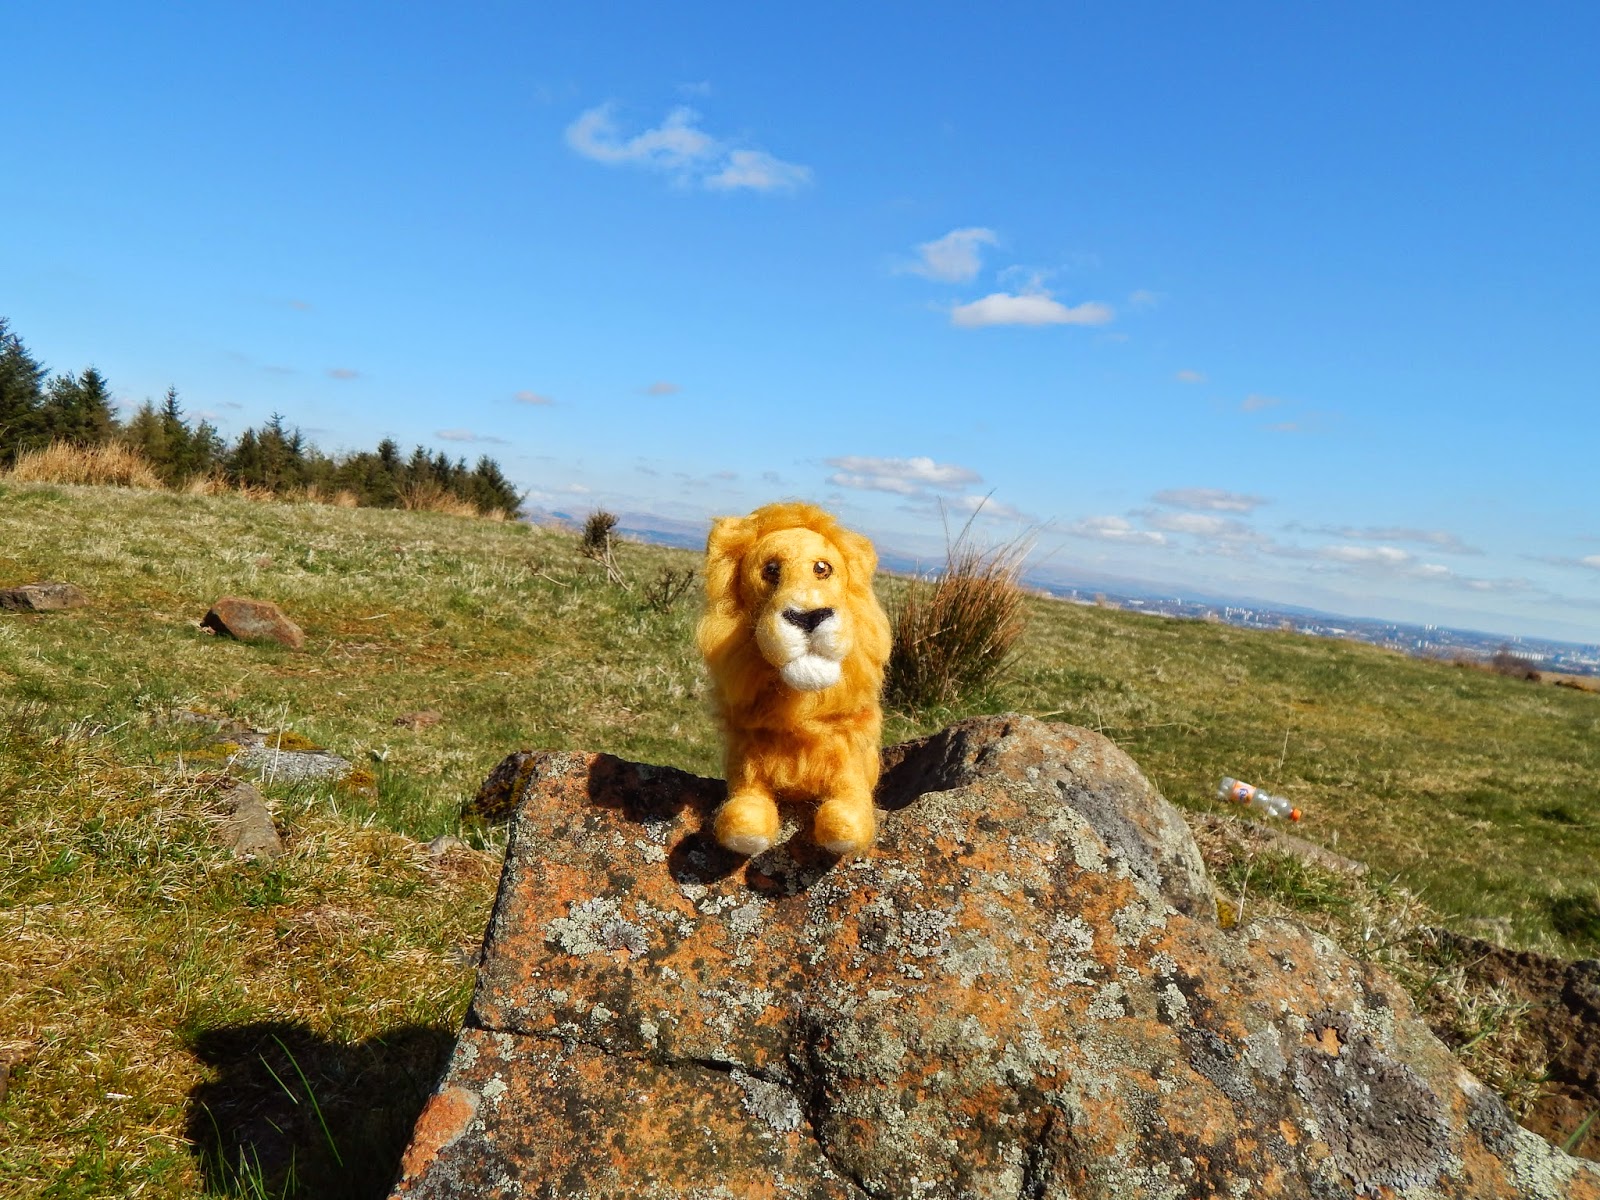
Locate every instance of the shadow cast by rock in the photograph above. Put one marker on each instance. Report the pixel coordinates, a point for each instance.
(292, 1113)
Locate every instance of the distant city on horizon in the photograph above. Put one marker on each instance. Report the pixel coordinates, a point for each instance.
(1154, 599)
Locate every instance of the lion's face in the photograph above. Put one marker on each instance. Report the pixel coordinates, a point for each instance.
(799, 582)
(789, 591)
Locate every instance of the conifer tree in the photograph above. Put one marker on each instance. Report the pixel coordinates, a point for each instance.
(21, 422)
(78, 409)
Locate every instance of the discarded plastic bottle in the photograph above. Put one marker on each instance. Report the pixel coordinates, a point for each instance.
(1257, 801)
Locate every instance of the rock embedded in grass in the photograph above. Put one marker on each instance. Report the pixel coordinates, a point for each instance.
(248, 830)
(423, 718)
(1022, 991)
(253, 621)
(44, 596)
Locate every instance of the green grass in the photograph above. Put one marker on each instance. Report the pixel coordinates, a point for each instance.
(185, 1025)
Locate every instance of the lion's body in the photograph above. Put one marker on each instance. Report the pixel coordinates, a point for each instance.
(796, 642)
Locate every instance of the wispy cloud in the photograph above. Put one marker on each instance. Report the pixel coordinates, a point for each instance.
(1144, 299)
(1384, 556)
(1589, 562)
(1204, 525)
(680, 148)
(300, 306)
(1027, 308)
(1114, 529)
(900, 476)
(758, 171)
(1438, 539)
(1187, 376)
(466, 435)
(535, 398)
(1208, 500)
(343, 373)
(1256, 403)
(699, 88)
(954, 258)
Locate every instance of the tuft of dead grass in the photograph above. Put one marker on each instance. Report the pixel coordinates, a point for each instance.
(110, 464)
(428, 496)
(954, 635)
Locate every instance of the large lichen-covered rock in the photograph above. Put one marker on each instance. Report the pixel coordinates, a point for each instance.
(1019, 993)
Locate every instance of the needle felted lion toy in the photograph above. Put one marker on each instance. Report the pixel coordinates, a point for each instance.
(796, 643)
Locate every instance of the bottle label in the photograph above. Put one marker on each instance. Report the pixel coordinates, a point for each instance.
(1241, 793)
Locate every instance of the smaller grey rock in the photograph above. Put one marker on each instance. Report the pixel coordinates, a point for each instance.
(267, 762)
(44, 596)
(444, 844)
(253, 621)
(248, 830)
(423, 718)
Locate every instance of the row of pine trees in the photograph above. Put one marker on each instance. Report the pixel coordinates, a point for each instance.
(37, 409)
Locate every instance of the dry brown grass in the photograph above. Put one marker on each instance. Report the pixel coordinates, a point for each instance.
(207, 485)
(955, 634)
(428, 496)
(62, 462)
(342, 498)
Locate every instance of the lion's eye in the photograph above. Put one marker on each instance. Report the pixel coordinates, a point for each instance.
(821, 569)
(772, 571)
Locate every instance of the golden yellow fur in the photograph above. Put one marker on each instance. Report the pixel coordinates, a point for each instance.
(796, 643)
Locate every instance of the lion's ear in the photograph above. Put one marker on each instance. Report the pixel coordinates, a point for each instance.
(861, 560)
(730, 538)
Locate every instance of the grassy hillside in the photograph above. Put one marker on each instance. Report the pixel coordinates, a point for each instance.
(156, 996)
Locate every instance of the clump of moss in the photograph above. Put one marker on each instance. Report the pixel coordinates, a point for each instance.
(288, 739)
(360, 782)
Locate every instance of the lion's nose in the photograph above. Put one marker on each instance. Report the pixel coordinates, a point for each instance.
(807, 620)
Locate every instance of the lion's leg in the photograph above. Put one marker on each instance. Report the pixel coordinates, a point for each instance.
(846, 823)
(747, 823)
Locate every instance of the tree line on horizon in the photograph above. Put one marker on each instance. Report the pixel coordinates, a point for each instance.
(38, 409)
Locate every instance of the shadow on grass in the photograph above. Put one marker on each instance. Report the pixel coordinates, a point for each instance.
(291, 1113)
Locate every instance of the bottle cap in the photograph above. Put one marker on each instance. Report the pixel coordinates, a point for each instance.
(1294, 814)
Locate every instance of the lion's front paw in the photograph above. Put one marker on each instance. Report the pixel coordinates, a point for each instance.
(845, 826)
(747, 824)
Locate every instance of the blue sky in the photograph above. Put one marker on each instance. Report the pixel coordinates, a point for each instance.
(1269, 300)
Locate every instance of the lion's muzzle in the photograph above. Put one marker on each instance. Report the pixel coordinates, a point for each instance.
(806, 645)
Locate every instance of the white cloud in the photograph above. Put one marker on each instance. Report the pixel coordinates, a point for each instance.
(1187, 376)
(662, 388)
(1203, 525)
(983, 506)
(900, 476)
(1439, 539)
(1144, 299)
(1380, 556)
(1255, 403)
(1114, 529)
(532, 398)
(1208, 500)
(466, 435)
(955, 257)
(672, 146)
(343, 373)
(1028, 308)
(679, 147)
(1590, 560)
(759, 171)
